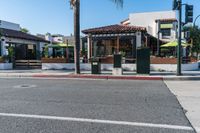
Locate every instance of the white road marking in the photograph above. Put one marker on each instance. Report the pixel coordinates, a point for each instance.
(125, 123)
(197, 129)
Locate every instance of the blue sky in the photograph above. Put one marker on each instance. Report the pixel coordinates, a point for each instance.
(55, 16)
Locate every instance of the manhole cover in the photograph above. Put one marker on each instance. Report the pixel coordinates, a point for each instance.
(25, 86)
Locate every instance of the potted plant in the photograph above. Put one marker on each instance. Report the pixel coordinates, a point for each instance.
(46, 52)
(1, 59)
(123, 53)
(10, 53)
(5, 59)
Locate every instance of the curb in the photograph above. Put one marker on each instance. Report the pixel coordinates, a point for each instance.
(105, 77)
(82, 76)
(183, 78)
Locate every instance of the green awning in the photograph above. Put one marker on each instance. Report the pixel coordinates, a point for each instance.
(174, 44)
(60, 45)
(166, 26)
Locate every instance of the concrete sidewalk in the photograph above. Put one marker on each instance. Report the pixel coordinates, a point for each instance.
(127, 75)
(188, 94)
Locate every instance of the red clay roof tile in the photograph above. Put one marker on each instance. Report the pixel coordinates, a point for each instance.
(111, 29)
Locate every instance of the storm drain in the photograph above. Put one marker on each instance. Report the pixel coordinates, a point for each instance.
(25, 86)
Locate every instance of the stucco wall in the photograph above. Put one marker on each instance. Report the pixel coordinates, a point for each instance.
(173, 67)
(127, 67)
(6, 66)
(4, 51)
(148, 19)
(9, 25)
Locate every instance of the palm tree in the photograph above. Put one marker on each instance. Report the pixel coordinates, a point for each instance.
(75, 4)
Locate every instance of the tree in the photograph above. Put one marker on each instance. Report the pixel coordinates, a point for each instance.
(75, 4)
(194, 38)
(24, 30)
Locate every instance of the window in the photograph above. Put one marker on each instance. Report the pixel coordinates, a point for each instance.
(166, 32)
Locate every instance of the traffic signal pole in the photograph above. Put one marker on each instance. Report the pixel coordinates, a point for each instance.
(177, 5)
(179, 38)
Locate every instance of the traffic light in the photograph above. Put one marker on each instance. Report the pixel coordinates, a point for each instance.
(189, 13)
(175, 4)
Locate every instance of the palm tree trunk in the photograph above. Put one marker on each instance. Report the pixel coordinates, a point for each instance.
(77, 36)
(76, 5)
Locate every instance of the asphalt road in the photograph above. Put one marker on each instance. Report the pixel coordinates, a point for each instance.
(89, 106)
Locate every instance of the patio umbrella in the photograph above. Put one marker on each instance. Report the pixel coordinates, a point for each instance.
(174, 44)
(60, 45)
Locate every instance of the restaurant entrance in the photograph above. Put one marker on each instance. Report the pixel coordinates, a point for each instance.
(25, 52)
(25, 56)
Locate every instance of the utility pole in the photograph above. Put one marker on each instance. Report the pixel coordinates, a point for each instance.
(177, 5)
(179, 38)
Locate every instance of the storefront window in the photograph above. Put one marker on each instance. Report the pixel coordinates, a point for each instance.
(126, 47)
(103, 48)
(166, 32)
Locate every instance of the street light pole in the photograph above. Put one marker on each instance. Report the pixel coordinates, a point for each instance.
(196, 20)
(179, 38)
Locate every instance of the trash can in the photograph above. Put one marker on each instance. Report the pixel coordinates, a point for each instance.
(143, 61)
(95, 66)
(117, 61)
(117, 66)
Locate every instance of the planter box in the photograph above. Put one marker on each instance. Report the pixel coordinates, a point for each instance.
(1, 60)
(54, 60)
(107, 60)
(6, 66)
(159, 60)
(164, 60)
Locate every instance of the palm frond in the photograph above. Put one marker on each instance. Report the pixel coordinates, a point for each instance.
(119, 3)
(72, 3)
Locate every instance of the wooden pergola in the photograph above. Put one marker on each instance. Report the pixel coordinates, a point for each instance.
(115, 32)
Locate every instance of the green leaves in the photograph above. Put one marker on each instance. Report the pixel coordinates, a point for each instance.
(24, 30)
(195, 37)
(0, 33)
(119, 3)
